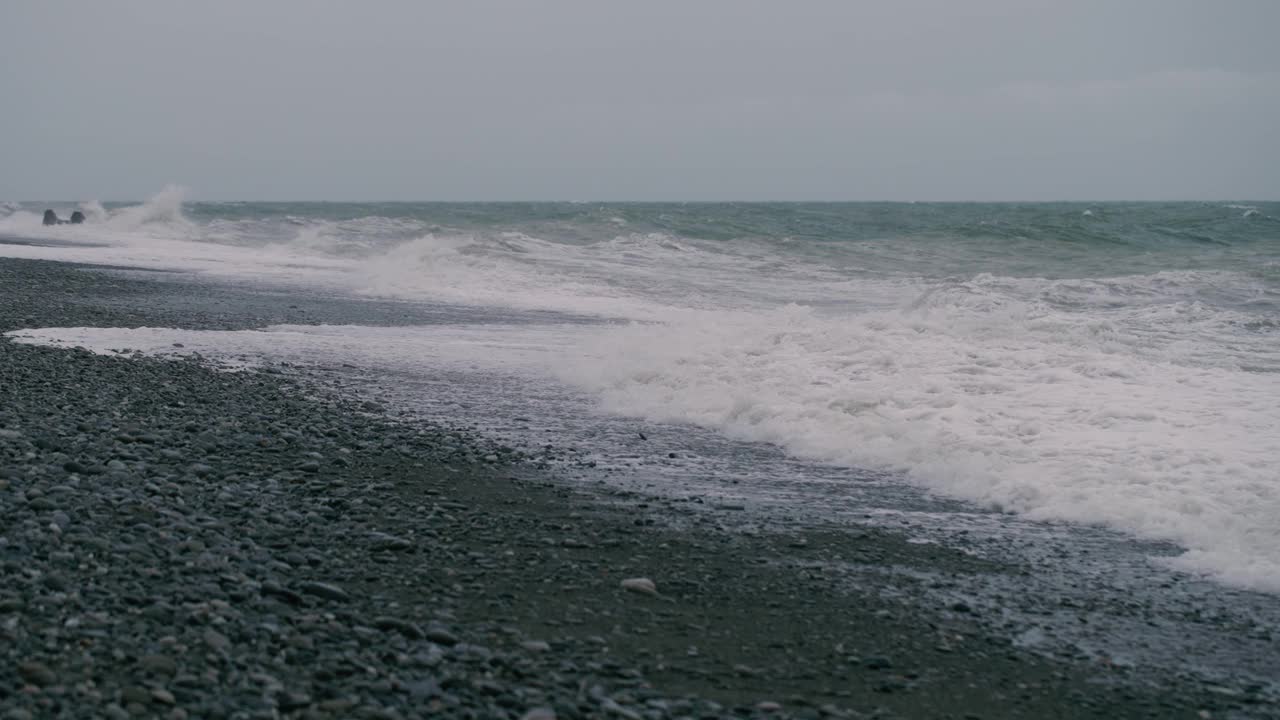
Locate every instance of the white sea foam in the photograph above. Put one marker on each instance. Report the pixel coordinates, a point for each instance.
(1018, 407)
(644, 276)
(462, 269)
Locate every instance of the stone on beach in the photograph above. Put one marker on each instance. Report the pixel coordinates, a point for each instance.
(612, 707)
(391, 624)
(440, 636)
(216, 640)
(324, 590)
(640, 585)
(384, 541)
(37, 673)
(158, 664)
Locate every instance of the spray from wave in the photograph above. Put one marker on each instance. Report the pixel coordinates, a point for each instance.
(161, 216)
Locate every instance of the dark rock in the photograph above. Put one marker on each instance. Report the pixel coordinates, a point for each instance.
(407, 629)
(135, 694)
(216, 640)
(51, 218)
(41, 503)
(440, 636)
(423, 688)
(293, 700)
(383, 541)
(324, 590)
(276, 590)
(163, 696)
(77, 217)
(158, 664)
(37, 673)
(55, 582)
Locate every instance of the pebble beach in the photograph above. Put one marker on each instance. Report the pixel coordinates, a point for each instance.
(182, 541)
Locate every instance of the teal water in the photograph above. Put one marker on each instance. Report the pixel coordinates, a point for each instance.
(1044, 239)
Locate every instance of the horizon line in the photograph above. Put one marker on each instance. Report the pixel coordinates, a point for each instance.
(674, 202)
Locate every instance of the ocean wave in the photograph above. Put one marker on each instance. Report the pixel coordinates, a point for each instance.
(1017, 407)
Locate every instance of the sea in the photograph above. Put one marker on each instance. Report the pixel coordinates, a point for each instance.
(1109, 368)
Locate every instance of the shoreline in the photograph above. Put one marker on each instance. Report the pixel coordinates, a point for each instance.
(248, 543)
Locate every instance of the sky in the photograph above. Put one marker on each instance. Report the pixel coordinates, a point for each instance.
(641, 100)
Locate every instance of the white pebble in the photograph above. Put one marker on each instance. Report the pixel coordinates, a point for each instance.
(640, 585)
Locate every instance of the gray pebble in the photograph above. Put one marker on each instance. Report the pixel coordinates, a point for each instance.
(324, 590)
(41, 503)
(135, 695)
(55, 582)
(407, 629)
(216, 640)
(383, 541)
(440, 636)
(37, 673)
(158, 664)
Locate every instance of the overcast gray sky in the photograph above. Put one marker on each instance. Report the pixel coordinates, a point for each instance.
(647, 99)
